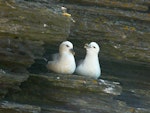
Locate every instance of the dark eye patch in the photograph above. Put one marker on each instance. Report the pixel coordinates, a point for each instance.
(67, 45)
(94, 47)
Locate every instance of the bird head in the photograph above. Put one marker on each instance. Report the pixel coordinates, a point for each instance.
(66, 47)
(92, 48)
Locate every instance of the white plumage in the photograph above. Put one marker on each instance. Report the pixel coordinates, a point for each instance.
(63, 62)
(90, 65)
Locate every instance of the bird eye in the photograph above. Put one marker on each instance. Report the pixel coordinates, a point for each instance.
(94, 47)
(67, 45)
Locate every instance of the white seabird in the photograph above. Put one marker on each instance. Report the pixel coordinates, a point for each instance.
(90, 65)
(63, 62)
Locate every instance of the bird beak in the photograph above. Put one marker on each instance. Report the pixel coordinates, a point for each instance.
(87, 45)
(72, 51)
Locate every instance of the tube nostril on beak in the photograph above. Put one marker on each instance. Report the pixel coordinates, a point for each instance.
(72, 51)
(86, 45)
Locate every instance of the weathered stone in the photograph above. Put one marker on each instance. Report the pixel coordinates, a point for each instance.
(112, 4)
(66, 90)
(33, 21)
(10, 107)
(16, 54)
(124, 32)
(70, 93)
(10, 82)
(28, 28)
(24, 29)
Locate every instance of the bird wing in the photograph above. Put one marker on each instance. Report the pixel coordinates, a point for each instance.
(55, 56)
(79, 62)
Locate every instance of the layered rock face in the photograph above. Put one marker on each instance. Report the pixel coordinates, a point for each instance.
(30, 30)
(24, 29)
(119, 26)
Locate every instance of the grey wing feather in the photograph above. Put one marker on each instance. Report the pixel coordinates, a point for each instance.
(79, 62)
(55, 56)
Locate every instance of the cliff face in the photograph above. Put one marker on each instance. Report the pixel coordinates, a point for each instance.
(30, 30)
(121, 27)
(24, 28)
